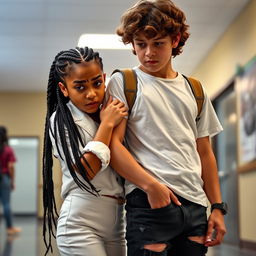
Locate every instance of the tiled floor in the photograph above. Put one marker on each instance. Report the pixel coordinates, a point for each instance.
(30, 242)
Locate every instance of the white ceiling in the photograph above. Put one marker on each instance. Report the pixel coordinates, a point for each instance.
(32, 32)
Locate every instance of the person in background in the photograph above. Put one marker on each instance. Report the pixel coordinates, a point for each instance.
(169, 165)
(7, 180)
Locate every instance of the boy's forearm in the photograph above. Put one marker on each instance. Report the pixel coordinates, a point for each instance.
(125, 165)
(211, 179)
(209, 171)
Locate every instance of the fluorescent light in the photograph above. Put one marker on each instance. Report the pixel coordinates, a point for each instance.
(102, 41)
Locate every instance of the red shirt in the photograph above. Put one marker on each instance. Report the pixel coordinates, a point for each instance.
(6, 157)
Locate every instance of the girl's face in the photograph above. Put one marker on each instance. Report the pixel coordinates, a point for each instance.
(155, 53)
(85, 86)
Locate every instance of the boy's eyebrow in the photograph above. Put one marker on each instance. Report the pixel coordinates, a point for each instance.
(86, 81)
(138, 38)
(160, 37)
(155, 38)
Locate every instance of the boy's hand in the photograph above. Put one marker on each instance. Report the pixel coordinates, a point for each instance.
(216, 229)
(113, 112)
(160, 196)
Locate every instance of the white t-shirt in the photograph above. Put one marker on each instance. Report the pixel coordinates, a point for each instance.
(162, 131)
(107, 181)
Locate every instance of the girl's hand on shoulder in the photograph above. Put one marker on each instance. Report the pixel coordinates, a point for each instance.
(113, 112)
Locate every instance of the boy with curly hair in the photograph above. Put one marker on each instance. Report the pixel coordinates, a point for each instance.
(170, 168)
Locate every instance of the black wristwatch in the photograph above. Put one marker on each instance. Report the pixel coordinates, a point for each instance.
(221, 206)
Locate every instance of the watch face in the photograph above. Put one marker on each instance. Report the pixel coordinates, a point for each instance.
(221, 206)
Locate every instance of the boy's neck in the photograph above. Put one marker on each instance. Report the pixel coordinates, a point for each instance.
(168, 73)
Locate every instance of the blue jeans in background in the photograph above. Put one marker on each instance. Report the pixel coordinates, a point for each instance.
(5, 196)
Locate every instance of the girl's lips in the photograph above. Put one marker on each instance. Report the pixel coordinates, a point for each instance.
(92, 104)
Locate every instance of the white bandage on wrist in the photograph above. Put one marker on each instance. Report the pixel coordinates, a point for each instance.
(99, 149)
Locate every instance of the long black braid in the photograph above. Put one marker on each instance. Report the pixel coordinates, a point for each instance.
(3, 138)
(63, 125)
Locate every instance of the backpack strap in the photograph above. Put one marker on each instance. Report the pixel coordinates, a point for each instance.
(130, 85)
(130, 88)
(198, 93)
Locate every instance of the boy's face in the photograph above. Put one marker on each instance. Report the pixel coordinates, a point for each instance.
(85, 86)
(155, 53)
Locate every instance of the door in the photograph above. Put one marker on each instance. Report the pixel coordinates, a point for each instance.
(226, 154)
(24, 197)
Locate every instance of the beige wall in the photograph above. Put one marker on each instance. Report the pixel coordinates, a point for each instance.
(24, 115)
(236, 47)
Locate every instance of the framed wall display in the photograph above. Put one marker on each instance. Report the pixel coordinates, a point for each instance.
(246, 92)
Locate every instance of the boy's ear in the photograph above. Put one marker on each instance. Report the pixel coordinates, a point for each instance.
(63, 89)
(175, 41)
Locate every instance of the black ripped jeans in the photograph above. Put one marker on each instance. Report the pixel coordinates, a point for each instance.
(170, 225)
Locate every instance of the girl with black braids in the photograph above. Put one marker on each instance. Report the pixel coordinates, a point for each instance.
(78, 130)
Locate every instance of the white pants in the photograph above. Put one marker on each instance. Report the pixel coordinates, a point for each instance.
(91, 226)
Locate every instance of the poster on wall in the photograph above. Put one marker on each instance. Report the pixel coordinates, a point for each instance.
(246, 88)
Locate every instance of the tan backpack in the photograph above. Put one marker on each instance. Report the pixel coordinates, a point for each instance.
(130, 88)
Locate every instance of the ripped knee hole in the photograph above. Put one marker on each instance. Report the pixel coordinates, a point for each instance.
(155, 247)
(197, 239)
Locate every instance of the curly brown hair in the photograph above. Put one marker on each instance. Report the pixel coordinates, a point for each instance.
(154, 18)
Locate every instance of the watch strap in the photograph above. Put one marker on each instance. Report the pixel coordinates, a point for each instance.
(221, 206)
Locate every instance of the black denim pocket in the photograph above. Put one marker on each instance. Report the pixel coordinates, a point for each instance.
(137, 199)
(154, 225)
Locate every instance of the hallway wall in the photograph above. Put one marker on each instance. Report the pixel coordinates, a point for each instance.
(236, 47)
(24, 115)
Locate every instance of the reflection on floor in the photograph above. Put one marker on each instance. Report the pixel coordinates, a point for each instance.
(30, 241)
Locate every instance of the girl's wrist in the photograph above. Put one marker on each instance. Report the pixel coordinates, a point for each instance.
(107, 124)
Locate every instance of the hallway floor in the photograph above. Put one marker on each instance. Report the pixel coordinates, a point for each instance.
(30, 241)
